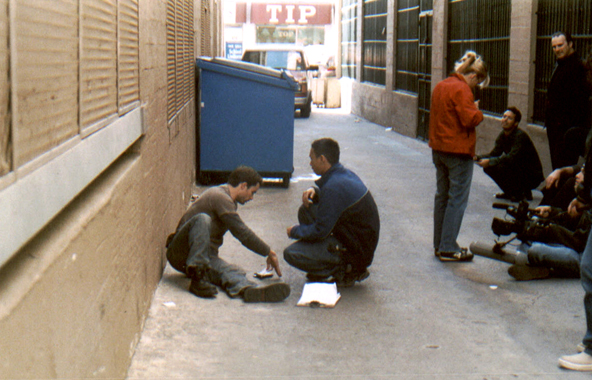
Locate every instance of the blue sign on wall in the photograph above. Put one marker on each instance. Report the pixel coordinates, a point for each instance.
(234, 50)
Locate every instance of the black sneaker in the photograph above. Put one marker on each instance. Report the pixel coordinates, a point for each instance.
(350, 279)
(316, 278)
(276, 292)
(202, 288)
(462, 255)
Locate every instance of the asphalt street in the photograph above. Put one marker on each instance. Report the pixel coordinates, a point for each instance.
(413, 318)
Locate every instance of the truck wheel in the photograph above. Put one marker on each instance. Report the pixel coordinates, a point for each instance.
(305, 111)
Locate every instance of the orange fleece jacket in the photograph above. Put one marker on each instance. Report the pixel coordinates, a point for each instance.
(453, 117)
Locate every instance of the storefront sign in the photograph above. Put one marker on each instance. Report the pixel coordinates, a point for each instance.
(234, 50)
(290, 14)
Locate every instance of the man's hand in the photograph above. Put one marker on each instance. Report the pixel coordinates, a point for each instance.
(307, 197)
(484, 162)
(575, 208)
(273, 262)
(543, 211)
(552, 179)
(289, 230)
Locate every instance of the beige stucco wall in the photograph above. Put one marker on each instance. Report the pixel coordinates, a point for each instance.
(392, 109)
(74, 299)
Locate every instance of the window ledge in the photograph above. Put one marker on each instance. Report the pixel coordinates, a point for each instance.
(34, 199)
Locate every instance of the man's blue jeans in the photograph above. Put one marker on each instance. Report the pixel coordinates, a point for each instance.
(191, 247)
(564, 261)
(586, 276)
(454, 174)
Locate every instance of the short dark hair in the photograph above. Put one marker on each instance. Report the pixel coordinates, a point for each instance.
(327, 147)
(244, 174)
(517, 114)
(567, 36)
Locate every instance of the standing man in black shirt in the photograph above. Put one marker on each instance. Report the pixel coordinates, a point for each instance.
(568, 107)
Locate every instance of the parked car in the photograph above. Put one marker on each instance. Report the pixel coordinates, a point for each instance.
(294, 61)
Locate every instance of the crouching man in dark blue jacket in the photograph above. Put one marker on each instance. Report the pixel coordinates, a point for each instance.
(338, 222)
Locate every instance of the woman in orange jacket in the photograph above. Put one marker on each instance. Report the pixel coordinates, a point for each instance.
(454, 116)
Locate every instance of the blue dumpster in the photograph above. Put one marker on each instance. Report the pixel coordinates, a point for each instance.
(246, 118)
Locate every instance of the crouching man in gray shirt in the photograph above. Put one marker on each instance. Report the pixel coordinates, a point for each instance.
(193, 248)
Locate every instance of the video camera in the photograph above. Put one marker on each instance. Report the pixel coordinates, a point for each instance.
(523, 216)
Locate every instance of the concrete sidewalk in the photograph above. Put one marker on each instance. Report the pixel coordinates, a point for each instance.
(413, 318)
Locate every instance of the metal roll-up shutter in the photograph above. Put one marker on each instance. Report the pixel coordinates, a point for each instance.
(171, 55)
(98, 63)
(205, 28)
(46, 77)
(191, 63)
(5, 151)
(128, 68)
(181, 52)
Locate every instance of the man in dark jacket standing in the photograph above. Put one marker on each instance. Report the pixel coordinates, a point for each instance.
(339, 222)
(513, 163)
(568, 107)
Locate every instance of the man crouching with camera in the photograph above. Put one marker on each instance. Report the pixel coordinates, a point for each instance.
(553, 239)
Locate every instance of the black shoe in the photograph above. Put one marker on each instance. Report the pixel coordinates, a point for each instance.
(316, 278)
(202, 288)
(276, 292)
(350, 279)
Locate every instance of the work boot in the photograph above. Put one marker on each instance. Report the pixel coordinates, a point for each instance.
(275, 292)
(199, 285)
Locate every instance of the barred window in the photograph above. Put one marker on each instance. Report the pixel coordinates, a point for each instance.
(180, 53)
(483, 26)
(374, 41)
(574, 16)
(349, 40)
(407, 45)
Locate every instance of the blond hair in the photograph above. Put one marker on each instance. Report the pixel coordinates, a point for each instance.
(472, 62)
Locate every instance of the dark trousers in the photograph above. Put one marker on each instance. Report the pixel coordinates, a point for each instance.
(566, 145)
(512, 180)
(560, 196)
(319, 258)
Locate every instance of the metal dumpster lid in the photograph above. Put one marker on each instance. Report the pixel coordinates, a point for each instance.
(251, 67)
(244, 66)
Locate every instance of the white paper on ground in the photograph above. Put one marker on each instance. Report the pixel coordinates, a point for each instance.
(319, 294)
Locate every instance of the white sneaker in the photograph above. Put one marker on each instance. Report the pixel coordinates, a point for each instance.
(577, 362)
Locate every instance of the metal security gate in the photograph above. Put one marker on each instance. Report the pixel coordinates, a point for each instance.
(483, 26)
(424, 70)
